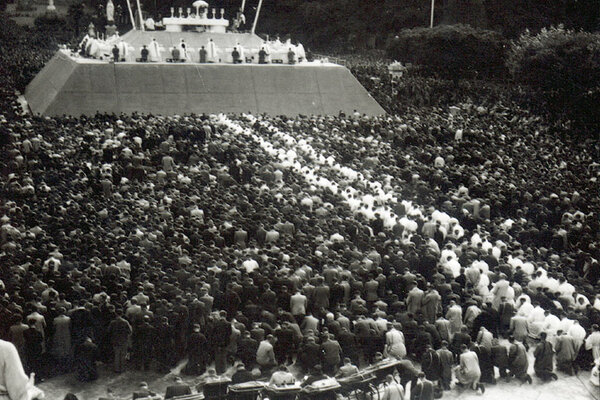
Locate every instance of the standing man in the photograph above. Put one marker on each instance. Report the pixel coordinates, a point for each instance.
(430, 364)
(431, 304)
(61, 340)
(332, 355)
(119, 332)
(298, 304)
(446, 363)
(196, 352)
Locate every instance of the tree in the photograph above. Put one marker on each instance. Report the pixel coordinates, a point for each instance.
(75, 14)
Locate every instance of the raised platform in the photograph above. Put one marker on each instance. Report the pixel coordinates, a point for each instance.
(194, 40)
(75, 86)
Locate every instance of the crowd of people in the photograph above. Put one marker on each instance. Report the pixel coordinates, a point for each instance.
(458, 241)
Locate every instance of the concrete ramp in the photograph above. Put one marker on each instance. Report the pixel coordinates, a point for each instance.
(75, 86)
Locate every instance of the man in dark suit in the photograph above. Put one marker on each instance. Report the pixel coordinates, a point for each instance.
(177, 389)
(332, 355)
(309, 354)
(247, 349)
(505, 312)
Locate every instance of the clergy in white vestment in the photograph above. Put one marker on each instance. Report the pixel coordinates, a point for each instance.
(123, 50)
(240, 50)
(185, 51)
(578, 333)
(593, 342)
(212, 51)
(150, 24)
(154, 51)
(14, 384)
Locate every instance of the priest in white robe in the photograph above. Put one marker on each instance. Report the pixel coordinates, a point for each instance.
(240, 50)
(212, 52)
(14, 384)
(154, 51)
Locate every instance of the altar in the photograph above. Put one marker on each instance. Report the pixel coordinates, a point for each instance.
(198, 21)
(212, 25)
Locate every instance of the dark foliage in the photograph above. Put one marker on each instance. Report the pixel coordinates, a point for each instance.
(451, 51)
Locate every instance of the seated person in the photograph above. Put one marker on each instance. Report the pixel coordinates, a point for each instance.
(177, 389)
(149, 24)
(241, 375)
(175, 54)
(212, 385)
(347, 369)
(315, 375)
(202, 55)
(235, 55)
(262, 56)
(144, 55)
(143, 392)
(282, 377)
